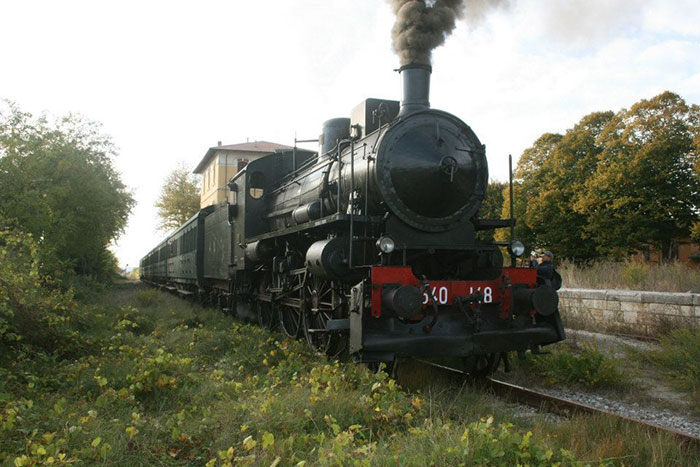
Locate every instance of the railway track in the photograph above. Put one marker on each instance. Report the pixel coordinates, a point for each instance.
(560, 406)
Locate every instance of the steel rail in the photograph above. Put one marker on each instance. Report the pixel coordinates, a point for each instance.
(564, 407)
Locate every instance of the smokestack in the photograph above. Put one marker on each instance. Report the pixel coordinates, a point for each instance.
(415, 80)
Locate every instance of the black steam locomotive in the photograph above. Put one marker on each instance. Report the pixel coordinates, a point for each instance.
(369, 245)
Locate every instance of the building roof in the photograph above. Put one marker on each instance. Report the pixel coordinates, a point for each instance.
(265, 147)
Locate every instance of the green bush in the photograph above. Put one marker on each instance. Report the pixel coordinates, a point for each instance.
(589, 367)
(33, 309)
(636, 274)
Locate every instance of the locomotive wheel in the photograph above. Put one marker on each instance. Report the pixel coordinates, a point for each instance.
(480, 366)
(266, 310)
(319, 310)
(292, 321)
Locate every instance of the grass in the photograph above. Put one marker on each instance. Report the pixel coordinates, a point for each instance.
(572, 366)
(671, 277)
(166, 382)
(678, 357)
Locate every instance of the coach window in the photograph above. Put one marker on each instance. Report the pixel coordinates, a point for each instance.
(256, 185)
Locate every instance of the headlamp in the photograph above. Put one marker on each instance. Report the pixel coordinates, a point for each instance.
(516, 248)
(386, 244)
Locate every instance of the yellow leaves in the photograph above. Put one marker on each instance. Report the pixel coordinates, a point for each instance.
(268, 439)
(96, 442)
(59, 406)
(101, 381)
(249, 443)
(132, 431)
(244, 428)
(417, 403)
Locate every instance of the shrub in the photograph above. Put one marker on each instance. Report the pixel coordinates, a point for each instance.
(590, 367)
(33, 310)
(635, 274)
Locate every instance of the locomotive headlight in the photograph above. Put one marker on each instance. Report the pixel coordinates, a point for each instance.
(516, 248)
(386, 244)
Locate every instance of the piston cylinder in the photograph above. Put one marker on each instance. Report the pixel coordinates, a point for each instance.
(328, 258)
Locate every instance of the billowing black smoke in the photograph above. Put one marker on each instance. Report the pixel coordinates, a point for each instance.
(422, 25)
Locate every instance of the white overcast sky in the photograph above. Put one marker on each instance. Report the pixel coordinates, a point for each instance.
(168, 79)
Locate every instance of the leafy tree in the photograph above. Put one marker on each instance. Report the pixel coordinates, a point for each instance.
(644, 189)
(491, 207)
(562, 180)
(529, 180)
(33, 312)
(695, 228)
(59, 185)
(179, 198)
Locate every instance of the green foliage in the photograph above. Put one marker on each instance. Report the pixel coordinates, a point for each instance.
(645, 191)
(679, 358)
(179, 198)
(496, 194)
(59, 184)
(479, 443)
(530, 178)
(33, 311)
(614, 183)
(201, 389)
(695, 232)
(564, 173)
(636, 273)
(589, 367)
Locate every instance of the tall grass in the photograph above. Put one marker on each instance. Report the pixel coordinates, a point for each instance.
(670, 277)
(679, 358)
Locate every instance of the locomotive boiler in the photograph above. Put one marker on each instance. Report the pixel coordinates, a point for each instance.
(369, 245)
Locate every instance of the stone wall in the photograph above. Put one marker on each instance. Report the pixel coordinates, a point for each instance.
(630, 311)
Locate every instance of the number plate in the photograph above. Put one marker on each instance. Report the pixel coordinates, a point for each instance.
(442, 292)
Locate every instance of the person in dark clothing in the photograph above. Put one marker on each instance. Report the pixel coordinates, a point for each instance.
(533, 260)
(545, 272)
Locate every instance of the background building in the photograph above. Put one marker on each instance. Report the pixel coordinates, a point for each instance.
(221, 163)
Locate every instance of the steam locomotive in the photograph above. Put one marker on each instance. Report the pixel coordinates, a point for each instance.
(368, 246)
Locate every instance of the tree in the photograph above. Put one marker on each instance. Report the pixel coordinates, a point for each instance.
(563, 176)
(59, 184)
(528, 182)
(695, 228)
(179, 198)
(644, 190)
(491, 207)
